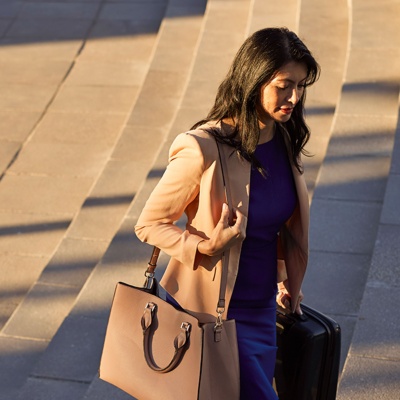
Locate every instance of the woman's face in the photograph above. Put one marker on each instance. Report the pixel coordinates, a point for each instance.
(281, 94)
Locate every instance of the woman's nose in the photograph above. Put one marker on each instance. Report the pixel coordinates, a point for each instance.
(295, 96)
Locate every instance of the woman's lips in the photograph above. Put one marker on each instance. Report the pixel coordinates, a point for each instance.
(287, 111)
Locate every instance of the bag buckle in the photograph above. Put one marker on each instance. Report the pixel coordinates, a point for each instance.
(149, 282)
(186, 326)
(151, 306)
(218, 325)
(218, 322)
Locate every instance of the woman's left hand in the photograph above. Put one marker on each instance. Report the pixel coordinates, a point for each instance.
(224, 236)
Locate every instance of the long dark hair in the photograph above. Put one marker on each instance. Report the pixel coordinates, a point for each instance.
(257, 62)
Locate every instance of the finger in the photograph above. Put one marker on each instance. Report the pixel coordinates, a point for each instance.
(284, 301)
(238, 217)
(298, 305)
(225, 214)
(240, 221)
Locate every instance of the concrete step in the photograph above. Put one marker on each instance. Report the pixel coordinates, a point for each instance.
(44, 188)
(369, 106)
(373, 364)
(31, 228)
(351, 185)
(66, 161)
(108, 202)
(319, 22)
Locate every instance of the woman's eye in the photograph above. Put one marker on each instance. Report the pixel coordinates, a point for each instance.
(299, 87)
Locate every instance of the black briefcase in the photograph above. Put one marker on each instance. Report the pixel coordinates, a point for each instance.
(307, 364)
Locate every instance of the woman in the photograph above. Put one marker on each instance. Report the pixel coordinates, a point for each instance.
(258, 119)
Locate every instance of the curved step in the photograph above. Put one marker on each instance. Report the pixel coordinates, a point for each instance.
(109, 199)
(319, 23)
(366, 128)
(43, 190)
(64, 155)
(349, 193)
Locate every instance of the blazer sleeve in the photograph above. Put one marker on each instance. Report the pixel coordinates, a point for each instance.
(178, 187)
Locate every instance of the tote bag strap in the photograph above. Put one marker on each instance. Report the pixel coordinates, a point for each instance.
(152, 264)
(228, 196)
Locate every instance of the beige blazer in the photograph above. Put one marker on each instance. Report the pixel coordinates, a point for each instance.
(193, 184)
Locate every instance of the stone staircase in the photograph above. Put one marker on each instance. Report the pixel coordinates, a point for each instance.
(92, 95)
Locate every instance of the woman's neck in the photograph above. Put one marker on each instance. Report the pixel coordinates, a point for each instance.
(267, 132)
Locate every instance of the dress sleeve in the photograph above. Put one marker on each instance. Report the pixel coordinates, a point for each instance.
(178, 187)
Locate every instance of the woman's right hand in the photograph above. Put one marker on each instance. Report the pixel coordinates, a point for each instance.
(224, 235)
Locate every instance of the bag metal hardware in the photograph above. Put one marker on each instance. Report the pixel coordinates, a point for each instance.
(186, 326)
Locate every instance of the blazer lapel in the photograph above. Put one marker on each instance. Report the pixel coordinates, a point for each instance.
(239, 179)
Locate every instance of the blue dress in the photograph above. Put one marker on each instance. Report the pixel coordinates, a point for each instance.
(253, 305)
